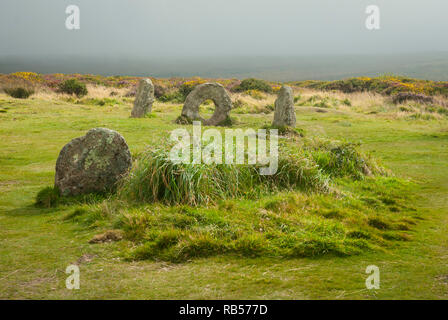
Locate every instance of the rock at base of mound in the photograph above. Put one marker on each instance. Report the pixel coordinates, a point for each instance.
(92, 163)
(144, 99)
(215, 92)
(284, 114)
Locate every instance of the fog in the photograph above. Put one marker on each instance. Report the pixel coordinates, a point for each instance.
(147, 29)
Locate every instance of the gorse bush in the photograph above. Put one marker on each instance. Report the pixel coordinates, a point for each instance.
(19, 93)
(73, 86)
(253, 84)
(156, 178)
(409, 96)
(173, 96)
(187, 87)
(159, 91)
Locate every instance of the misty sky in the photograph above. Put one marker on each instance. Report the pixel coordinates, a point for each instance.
(221, 27)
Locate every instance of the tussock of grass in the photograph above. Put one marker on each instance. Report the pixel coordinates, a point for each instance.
(342, 159)
(241, 107)
(325, 102)
(47, 198)
(155, 178)
(19, 93)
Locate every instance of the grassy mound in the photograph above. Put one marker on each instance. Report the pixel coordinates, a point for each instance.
(371, 215)
(326, 197)
(177, 212)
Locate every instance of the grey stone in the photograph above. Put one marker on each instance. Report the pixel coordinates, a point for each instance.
(92, 163)
(143, 99)
(215, 92)
(284, 114)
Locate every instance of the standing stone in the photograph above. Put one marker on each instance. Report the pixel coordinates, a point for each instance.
(284, 114)
(203, 92)
(92, 163)
(143, 99)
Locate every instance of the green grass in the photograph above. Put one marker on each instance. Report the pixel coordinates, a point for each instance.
(156, 178)
(398, 223)
(285, 225)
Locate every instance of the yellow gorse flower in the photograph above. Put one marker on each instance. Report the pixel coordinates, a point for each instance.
(28, 76)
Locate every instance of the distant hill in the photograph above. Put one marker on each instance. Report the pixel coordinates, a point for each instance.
(431, 66)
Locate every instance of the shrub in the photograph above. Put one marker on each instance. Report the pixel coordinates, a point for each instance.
(186, 88)
(253, 84)
(409, 96)
(73, 86)
(159, 91)
(174, 96)
(19, 93)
